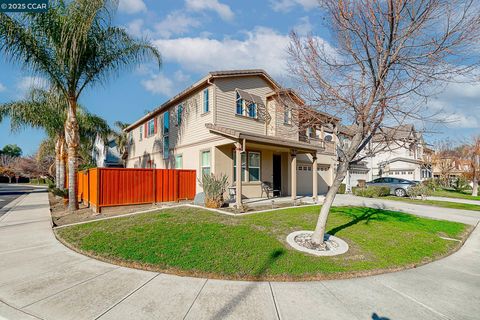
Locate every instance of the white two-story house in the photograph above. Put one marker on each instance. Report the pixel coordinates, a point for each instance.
(240, 123)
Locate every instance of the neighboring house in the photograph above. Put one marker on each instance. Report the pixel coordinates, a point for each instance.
(230, 115)
(106, 154)
(398, 152)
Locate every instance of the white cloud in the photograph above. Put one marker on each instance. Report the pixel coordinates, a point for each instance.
(304, 26)
(135, 27)
(27, 83)
(287, 5)
(176, 22)
(132, 6)
(163, 85)
(221, 9)
(262, 48)
(2, 87)
(159, 84)
(458, 105)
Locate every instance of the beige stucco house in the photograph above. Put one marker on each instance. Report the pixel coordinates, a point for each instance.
(229, 115)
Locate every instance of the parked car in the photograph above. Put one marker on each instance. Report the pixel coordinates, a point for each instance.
(398, 187)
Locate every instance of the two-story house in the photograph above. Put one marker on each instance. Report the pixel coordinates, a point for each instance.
(397, 152)
(240, 123)
(105, 154)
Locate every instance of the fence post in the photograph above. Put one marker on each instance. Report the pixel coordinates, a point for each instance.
(154, 179)
(88, 188)
(99, 175)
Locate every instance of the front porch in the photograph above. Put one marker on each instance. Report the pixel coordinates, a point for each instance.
(287, 166)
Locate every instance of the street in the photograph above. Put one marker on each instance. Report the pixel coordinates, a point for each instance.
(10, 192)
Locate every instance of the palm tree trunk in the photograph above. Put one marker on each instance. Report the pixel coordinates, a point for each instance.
(57, 163)
(63, 161)
(72, 139)
(319, 233)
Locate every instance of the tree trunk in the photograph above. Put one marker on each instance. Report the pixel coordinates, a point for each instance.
(9, 179)
(72, 139)
(62, 165)
(475, 187)
(57, 163)
(319, 233)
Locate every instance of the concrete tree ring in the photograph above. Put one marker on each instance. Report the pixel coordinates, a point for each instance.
(335, 245)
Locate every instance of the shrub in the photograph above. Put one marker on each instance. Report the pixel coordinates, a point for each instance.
(461, 184)
(372, 192)
(59, 192)
(214, 187)
(419, 190)
(342, 188)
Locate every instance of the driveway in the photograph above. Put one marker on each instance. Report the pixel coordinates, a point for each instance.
(41, 279)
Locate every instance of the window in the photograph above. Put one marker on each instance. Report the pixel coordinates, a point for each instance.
(166, 123)
(130, 137)
(178, 161)
(244, 165)
(205, 101)
(166, 147)
(254, 166)
(141, 132)
(179, 114)
(205, 161)
(287, 116)
(239, 105)
(150, 127)
(252, 110)
(309, 132)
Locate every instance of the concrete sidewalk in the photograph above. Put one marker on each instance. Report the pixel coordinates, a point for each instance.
(41, 279)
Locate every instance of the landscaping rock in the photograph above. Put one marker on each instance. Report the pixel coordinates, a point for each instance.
(199, 199)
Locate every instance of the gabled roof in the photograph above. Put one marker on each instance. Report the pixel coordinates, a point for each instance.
(203, 82)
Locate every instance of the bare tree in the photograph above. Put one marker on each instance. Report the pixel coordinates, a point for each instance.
(385, 58)
(445, 161)
(7, 166)
(470, 154)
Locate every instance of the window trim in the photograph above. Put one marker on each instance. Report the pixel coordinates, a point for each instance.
(166, 155)
(287, 116)
(141, 132)
(179, 114)
(167, 114)
(246, 169)
(259, 165)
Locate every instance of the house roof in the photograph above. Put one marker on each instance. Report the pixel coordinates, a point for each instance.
(274, 141)
(203, 82)
(400, 159)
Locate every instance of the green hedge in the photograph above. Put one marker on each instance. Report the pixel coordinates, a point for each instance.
(372, 192)
(342, 189)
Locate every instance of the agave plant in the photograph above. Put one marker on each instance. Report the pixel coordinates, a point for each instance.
(214, 187)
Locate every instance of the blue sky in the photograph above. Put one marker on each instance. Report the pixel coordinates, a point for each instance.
(197, 36)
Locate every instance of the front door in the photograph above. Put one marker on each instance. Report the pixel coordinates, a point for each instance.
(277, 172)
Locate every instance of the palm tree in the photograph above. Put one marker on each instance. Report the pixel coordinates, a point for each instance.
(47, 110)
(73, 45)
(121, 138)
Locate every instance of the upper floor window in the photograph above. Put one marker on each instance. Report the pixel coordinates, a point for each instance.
(246, 108)
(141, 133)
(150, 127)
(239, 109)
(205, 101)
(287, 116)
(309, 132)
(166, 123)
(179, 114)
(130, 137)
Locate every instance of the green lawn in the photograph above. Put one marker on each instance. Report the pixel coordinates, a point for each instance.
(455, 194)
(204, 243)
(435, 203)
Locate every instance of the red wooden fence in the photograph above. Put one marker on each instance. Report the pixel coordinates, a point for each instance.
(106, 187)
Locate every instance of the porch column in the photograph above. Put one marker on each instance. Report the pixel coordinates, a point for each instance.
(238, 169)
(315, 177)
(293, 170)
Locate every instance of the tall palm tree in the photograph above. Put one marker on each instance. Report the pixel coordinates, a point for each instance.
(47, 110)
(121, 138)
(74, 45)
